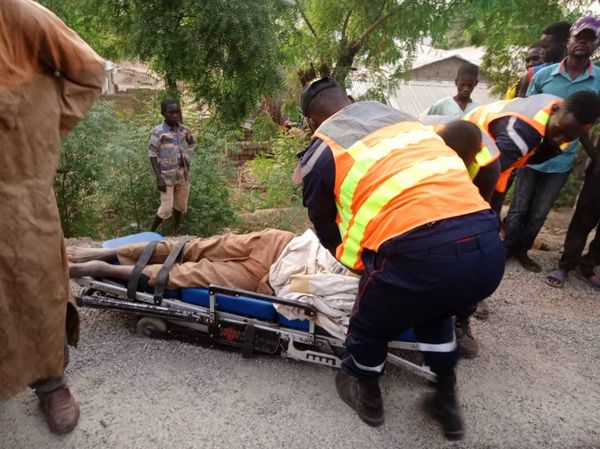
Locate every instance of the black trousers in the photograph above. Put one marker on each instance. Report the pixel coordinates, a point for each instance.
(585, 218)
(421, 290)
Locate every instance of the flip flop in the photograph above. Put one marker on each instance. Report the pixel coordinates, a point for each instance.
(593, 280)
(556, 279)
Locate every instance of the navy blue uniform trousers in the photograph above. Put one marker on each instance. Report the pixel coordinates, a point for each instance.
(420, 290)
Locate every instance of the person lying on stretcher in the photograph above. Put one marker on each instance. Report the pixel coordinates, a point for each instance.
(270, 261)
(231, 260)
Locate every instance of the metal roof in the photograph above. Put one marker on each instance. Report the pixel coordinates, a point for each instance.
(414, 97)
(426, 55)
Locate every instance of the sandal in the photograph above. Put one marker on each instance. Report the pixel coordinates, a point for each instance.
(557, 278)
(593, 280)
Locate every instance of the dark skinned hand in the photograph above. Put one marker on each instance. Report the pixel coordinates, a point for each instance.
(161, 184)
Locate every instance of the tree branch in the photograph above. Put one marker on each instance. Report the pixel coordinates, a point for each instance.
(345, 25)
(374, 26)
(304, 16)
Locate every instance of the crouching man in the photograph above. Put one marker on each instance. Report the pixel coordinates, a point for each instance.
(392, 201)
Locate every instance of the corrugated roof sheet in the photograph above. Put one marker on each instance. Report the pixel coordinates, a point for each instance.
(428, 55)
(414, 97)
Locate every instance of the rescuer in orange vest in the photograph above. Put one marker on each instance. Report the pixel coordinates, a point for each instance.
(515, 133)
(393, 202)
(529, 131)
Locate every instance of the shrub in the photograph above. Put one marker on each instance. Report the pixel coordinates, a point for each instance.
(105, 185)
(274, 172)
(81, 171)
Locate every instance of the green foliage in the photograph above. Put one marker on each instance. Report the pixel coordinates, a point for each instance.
(506, 28)
(88, 19)
(264, 128)
(80, 172)
(274, 173)
(336, 33)
(105, 185)
(128, 189)
(226, 50)
(568, 194)
(212, 176)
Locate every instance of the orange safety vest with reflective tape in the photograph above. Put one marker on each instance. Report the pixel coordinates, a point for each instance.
(391, 178)
(534, 110)
(489, 151)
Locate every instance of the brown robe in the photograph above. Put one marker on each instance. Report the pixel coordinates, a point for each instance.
(230, 260)
(49, 78)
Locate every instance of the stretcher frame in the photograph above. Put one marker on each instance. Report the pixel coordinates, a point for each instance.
(164, 317)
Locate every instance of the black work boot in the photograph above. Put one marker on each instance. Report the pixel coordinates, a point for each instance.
(363, 397)
(528, 263)
(157, 222)
(468, 347)
(443, 407)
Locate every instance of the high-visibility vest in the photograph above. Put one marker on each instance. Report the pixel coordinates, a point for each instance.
(485, 156)
(534, 110)
(391, 176)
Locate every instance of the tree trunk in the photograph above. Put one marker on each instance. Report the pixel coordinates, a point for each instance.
(171, 83)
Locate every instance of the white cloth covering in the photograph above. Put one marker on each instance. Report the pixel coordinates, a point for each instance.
(307, 272)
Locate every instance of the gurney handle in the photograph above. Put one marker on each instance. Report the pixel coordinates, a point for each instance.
(309, 309)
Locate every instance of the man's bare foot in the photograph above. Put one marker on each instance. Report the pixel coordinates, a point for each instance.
(94, 268)
(79, 255)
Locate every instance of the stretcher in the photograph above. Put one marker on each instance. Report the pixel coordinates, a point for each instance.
(237, 318)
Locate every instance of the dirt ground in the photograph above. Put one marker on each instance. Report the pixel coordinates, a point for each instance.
(535, 385)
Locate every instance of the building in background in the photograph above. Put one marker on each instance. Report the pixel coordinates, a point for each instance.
(430, 78)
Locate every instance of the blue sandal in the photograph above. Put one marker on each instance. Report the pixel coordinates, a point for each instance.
(557, 278)
(593, 280)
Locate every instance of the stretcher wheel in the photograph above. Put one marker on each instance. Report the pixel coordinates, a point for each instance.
(149, 326)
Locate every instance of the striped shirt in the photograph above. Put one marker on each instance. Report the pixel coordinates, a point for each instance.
(172, 150)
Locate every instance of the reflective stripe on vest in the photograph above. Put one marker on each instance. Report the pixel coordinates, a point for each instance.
(483, 158)
(534, 110)
(393, 187)
(486, 155)
(365, 157)
(392, 179)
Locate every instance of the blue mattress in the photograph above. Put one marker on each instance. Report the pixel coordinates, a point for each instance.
(239, 305)
(140, 237)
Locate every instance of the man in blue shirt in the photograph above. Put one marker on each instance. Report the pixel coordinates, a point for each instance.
(553, 48)
(537, 186)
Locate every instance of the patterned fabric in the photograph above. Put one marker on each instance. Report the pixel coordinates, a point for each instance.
(172, 148)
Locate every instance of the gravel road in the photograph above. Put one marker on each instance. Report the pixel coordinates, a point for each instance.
(535, 385)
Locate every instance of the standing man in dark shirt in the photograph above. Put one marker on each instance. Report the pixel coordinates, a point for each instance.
(171, 144)
(393, 202)
(585, 218)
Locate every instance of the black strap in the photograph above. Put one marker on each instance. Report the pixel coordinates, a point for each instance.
(139, 267)
(248, 341)
(163, 275)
